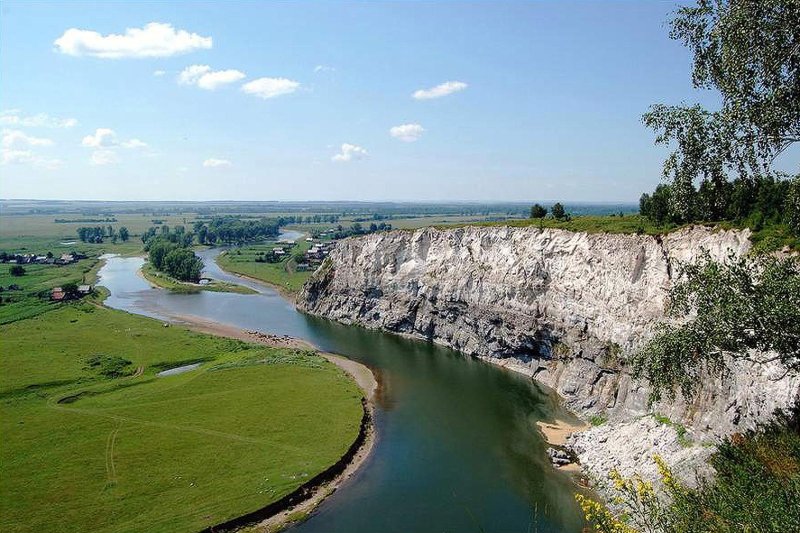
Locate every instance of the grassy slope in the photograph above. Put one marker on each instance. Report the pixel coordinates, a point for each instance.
(167, 282)
(157, 454)
(243, 261)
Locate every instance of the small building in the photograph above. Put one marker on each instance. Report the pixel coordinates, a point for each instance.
(309, 239)
(65, 259)
(57, 294)
(302, 267)
(204, 281)
(278, 251)
(85, 289)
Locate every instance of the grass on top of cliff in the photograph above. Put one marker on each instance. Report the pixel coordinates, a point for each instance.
(93, 440)
(765, 237)
(587, 224)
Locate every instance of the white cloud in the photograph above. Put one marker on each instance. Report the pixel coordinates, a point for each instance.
(159, 73)
(14, 117)
(155, 39)
(212, 163)
(15, 149)
(448, 87)
(16, 138)
(104, 141)
(104, 157)
(270, 87)
(324, 68)
(407, 132)
(134, 143)
(350, 152)
(103, 137)
(205, 78)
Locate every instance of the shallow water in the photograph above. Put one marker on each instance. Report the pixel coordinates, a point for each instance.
(456, 449)
(178, 370)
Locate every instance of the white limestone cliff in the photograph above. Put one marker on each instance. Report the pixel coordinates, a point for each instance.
(562, 307)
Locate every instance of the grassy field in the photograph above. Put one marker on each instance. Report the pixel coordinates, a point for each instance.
(26, 226)
(281, 275)
(136, 452)
(167, 282)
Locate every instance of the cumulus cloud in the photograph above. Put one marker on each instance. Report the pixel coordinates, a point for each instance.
(15, 148)
(270, 87)
(155, 39)
(324, 68)
(159, 73)
(213, 163)
(407, 132)
(205, 78)
(104, 141)
(349, 152)
(448, 87)
(15, 117)
(102, 137)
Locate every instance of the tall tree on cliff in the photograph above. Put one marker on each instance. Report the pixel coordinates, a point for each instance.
(748, 51)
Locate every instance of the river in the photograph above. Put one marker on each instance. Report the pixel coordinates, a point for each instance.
(457, 448)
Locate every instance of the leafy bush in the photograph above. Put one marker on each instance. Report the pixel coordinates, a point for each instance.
(110, 366)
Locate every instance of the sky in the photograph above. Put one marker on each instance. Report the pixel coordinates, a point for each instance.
(432, 101)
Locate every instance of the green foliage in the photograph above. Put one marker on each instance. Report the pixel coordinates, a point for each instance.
(16, 270)
(756, 487)
(597, 420)
(680, 429)
(729, 309)
(747, 52)
(537, 211)
(109, 366)
(558, 211)
(124, 234)
(174, 259)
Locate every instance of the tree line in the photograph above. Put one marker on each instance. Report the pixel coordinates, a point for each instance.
(755, 202)
(96, 234)
(234, 230)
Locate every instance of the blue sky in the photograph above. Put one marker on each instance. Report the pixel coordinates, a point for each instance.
(548, 107)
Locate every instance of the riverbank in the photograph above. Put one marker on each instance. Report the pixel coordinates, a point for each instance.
(298, 505)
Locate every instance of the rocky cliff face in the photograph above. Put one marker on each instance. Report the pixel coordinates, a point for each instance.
(561, 307)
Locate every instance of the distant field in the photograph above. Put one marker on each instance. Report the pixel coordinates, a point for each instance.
(143, 453)
(45, 225)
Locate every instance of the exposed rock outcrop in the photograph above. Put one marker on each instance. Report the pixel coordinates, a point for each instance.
(561, 307)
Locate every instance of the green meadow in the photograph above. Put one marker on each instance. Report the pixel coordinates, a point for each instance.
(93, 440)
(283, 275)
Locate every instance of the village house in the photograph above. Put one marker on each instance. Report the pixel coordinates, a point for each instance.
(83, 290)
(65, 259)
(57, 294)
